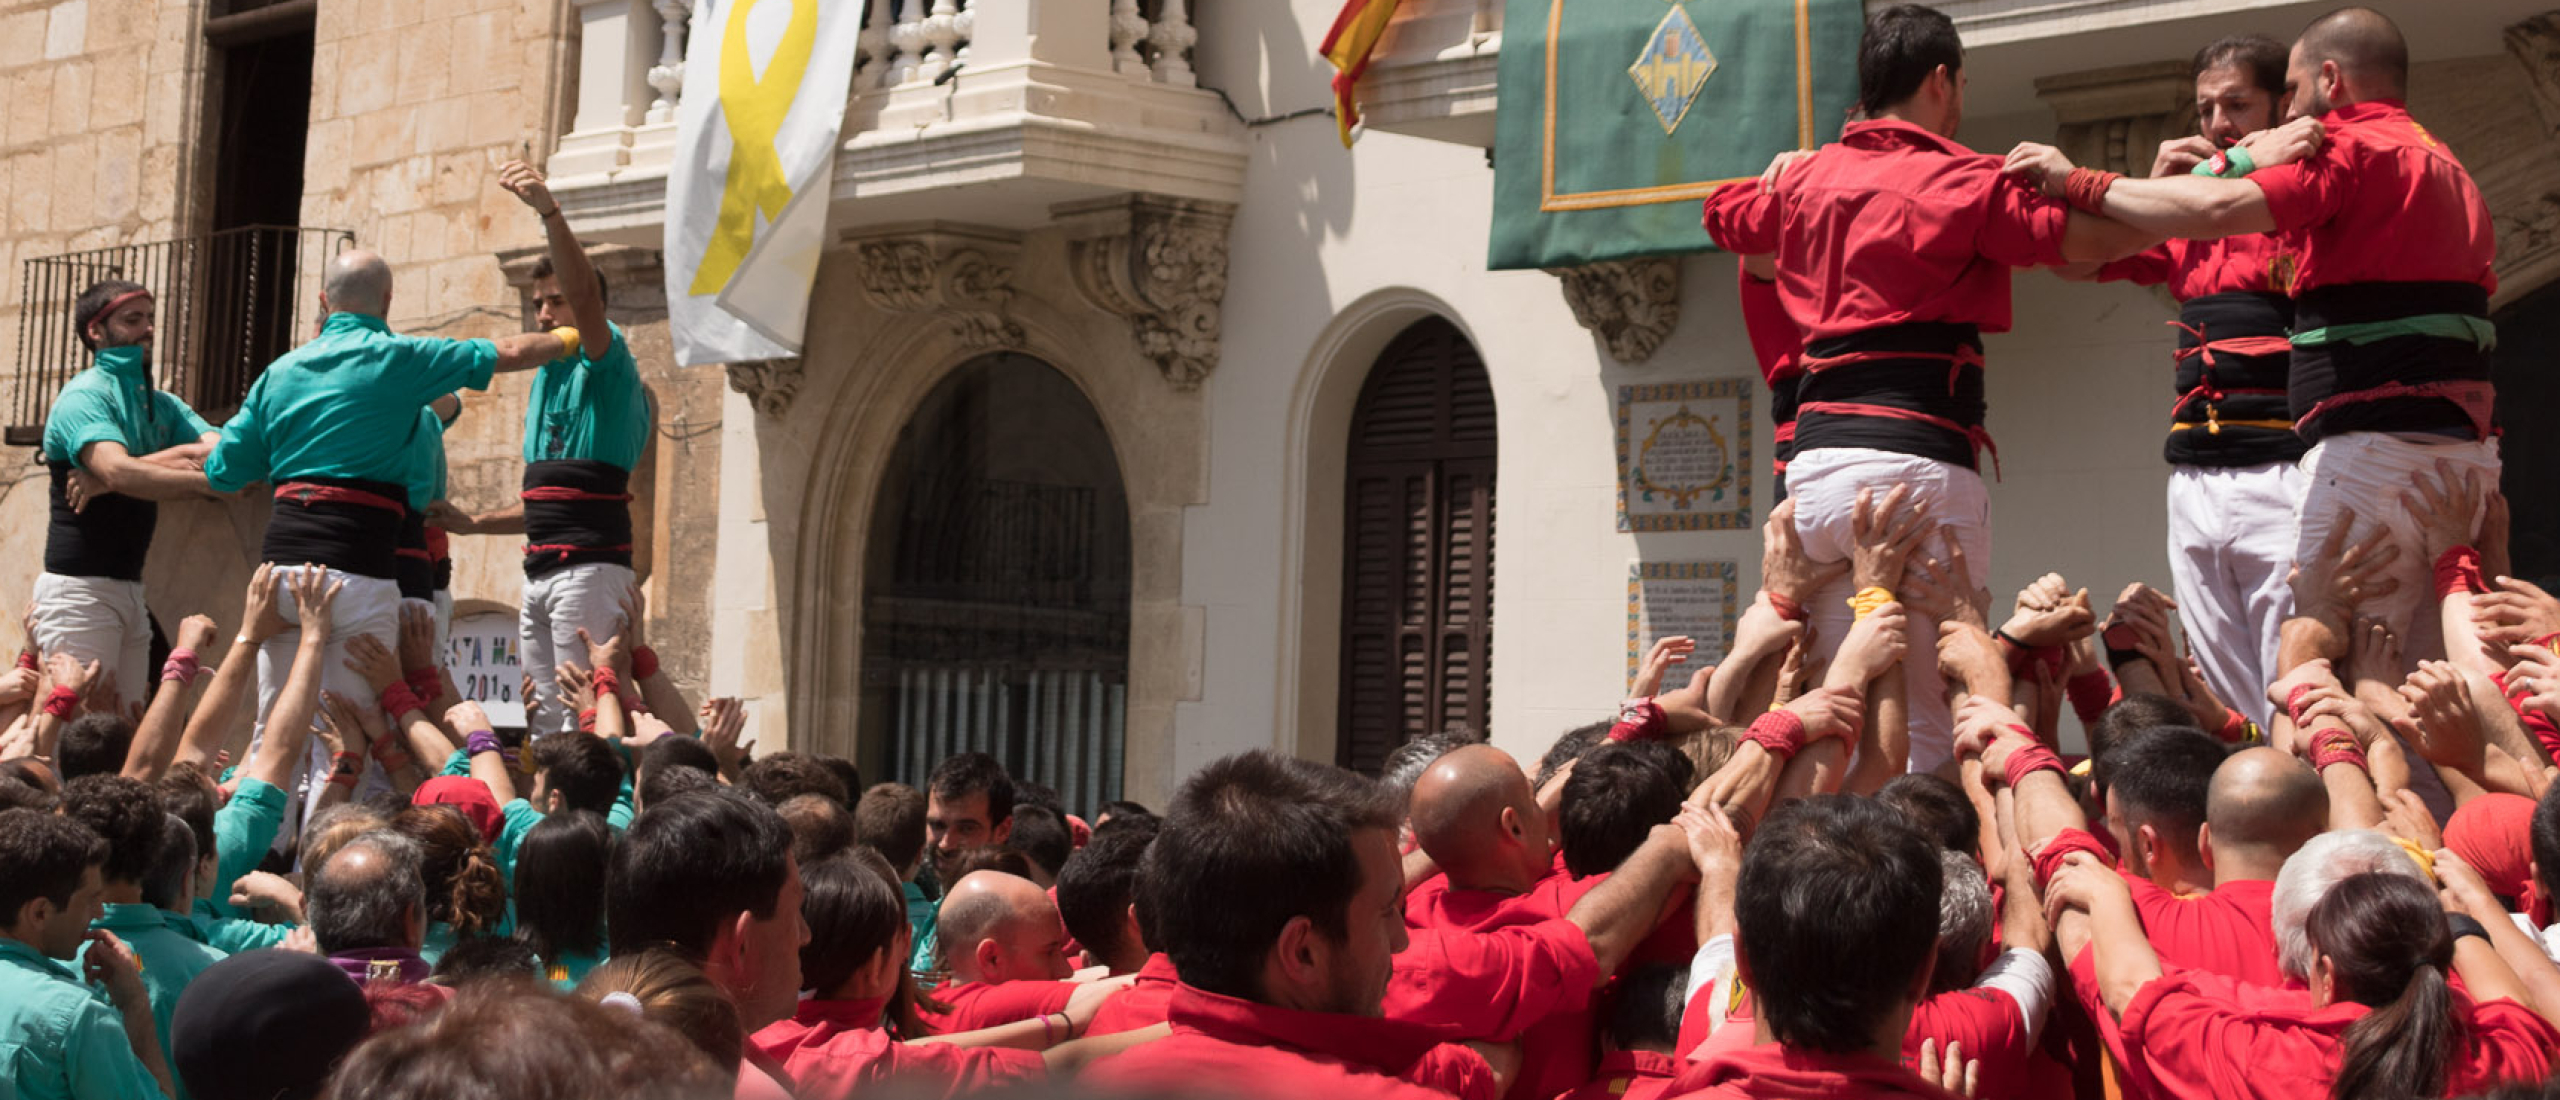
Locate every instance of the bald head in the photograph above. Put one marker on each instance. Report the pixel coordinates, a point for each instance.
(2366, 47)
(358, 282)
(1459, 817)
(2262, 806)
(997, 927)
(370, 894)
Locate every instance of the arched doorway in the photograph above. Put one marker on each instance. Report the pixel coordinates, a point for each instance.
(1417, 588)
(996, 602)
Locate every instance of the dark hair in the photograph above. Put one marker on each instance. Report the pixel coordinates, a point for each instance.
(125, 814)
(974, 773)
(2386, 937)
(1836, 917)
(520, 1039)
(18, 794)
(1040, 833)
(1937, 808)
(673, 752)
(2161, 776)
(1569, 748)
(819, 825)
(464, 886)
(891, 820)
(2261, 57)
(2363, 42)
(847, 773)
(1100, 881)
(779, 778)
(1902, 45)
(542, 269)
(165, 883)
(485, 957)
(1120, 807)
(990, 857)
(1646, 1014)
(690, 863)
(673, 780)
(185, 791)
(94, 744)
(92, 303)
(853, 916)
(351, 910)
(2546, 841)
(1031, 792)
(1265, 839)
(560, 884)
(43, 855)
(1617, 793)
(2128, 716)
(582, 767)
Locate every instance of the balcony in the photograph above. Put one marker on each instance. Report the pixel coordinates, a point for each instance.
(983, 111)
(229, 303)
(1433, 74)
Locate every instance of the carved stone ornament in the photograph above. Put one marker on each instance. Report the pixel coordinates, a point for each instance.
(2535, 44)
(963, 274)
(1161, 263)
(1631, 305)
(769, 384)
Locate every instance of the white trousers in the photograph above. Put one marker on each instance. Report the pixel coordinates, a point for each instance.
(2230, 554)
(1824, 484)
(2365, 473)
(556, 606)
(367, 605)
(98, 619)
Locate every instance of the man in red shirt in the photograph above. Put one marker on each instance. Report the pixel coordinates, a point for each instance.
(2232, 451)
(1007, 952)
(1281, 908)
(1837, 921)
(1644, 1027)
(2390, 365)
(1892, 250)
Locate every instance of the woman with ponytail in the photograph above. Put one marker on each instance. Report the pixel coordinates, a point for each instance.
(466, 894)
(2380, 1021)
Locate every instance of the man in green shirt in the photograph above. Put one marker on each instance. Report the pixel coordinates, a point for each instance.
(584, 429)
(115, 446)
(332, 426)
(58, 1038)
(127, 815)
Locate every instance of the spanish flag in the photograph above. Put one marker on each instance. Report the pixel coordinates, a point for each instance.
(1355, 32)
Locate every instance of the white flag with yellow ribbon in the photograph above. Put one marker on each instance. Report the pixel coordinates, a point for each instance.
(764, 97)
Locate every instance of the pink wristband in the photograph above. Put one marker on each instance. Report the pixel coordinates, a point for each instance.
(181, 665)
(1779, 732)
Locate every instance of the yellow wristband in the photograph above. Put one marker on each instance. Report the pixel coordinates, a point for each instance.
(567, 336)
(1869, 599)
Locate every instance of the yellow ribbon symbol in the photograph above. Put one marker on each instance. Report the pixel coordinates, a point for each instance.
(755, 108)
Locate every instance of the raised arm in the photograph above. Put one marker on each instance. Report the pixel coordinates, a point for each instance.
(288, 728)
(1620, 913)
(577, 277)
(156, 739)
(217, 713)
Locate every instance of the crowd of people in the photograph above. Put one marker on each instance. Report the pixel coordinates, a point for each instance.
(2309, 853)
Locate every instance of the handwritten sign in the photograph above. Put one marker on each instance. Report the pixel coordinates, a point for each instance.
(482, 655)
(1684, 456)
(1694, 598)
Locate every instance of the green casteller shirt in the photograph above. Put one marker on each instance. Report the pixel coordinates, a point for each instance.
(925, 919)
(243, 829)
(426, 476)
(114, 402)
(344, 405)
(590, 407)
(518, 816)
(229, 935)
(170, 959)
(59, 1039)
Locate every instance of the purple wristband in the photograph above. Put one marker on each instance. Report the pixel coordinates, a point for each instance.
(479, 742)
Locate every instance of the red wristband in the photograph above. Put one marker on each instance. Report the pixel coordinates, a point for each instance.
(397, 700)
(2458, 570)
(644, 663)
(389, 751)
(2028, 761)
(605, 682)
(1778, 731)
(62, 702)
(2293, 702)
(425, 683)
(587, 720)
(1639, 720)
(2235, 727)
(27, 659)
(1786, 608)
(2086, 189)
(2549, 641)
(2336, 746)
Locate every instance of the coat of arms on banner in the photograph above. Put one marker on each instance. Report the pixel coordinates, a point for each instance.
(1684, 456)
(1690, 598)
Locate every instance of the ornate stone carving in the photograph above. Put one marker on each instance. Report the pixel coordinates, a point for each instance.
(1162, 264)
(2116, 118)
(2535, 44)
(768, 383)
(964, 274)
(1631, 305)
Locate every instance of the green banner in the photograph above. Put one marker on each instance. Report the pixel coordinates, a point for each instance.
(1618, 116)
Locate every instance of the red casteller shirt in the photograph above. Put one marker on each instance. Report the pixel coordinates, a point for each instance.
(992, 1004)
(1142, 1005)
(2230, 931)
(1229, 1047)
(2206, 1037)
(836, 1049)
(1630, 1075)
(1488, 965)
(1891, 225)
(1988, 1022)
(2262, 262)
(1771, 1070)
(2382, 202)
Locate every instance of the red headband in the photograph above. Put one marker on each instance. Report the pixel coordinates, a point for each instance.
(118, 302)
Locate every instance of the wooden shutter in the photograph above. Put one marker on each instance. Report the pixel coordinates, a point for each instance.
(1417, 588)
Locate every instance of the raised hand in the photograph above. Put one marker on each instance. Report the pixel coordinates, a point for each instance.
(63, 670)
(2285, 144)
(722, 721)
(315, 599)
(366, 657)
(2534, 682)
(1885, 531)
(2048, 616)
(260, 617)
(577, 685)
(2443, 504)
(613, 653)
(1954, 1072)
(2515, 612)
(196, 632)
(2038, 165)
(466, 718)
(417, 638)
(1666, 652)
(1875, 643)
(525, 182)
(2178, 156)
(2443, 723)
(1830, 712)
(1785, 571)
(1972, 663)
(2341, 578)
